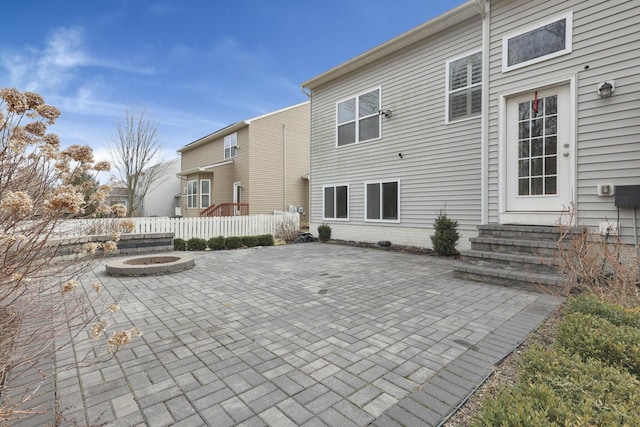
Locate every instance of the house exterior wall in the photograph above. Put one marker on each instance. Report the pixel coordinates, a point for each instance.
(439, 165)
(272, 158)
(279, 160)
(605, 46)
(161, 197)
(205, 154)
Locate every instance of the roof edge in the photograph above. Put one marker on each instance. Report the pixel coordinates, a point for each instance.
(422, 31)
(282, 110)
(203, 168)
(224, 131)
(232, 128)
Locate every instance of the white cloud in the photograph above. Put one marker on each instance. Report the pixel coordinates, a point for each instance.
(59, 63)
(64, 49)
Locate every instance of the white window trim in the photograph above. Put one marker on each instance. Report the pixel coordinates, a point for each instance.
(229, 138)
(447, 92)
(202, 193)
(568, 42)
(381, 181)
(190, 194)
(334, 202)
(356, 96)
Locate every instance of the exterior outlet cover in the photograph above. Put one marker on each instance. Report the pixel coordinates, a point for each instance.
(604, 190)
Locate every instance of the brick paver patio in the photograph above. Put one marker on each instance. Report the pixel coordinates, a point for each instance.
(309, 334)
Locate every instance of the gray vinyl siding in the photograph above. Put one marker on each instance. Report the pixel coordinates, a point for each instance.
(606, 37)
(441, 162)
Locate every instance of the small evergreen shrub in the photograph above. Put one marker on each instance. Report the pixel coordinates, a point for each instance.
(265, 240)
(250, 241)
(196, 244)
(233, 242)
(557, 388)
(614, 313)
(179, 244)
(216, 243)
(595, 337)
(445, 237)
(324, 233)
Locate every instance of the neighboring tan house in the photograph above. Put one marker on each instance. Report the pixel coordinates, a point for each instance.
(164, 195)
(256, 166)
(498, 111)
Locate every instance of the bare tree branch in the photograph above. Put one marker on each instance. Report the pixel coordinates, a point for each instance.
(136, 156)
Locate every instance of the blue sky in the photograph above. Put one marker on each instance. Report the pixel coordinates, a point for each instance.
(195, 65)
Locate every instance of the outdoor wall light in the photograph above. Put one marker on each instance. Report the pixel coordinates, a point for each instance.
(386, 113)
(606, 89)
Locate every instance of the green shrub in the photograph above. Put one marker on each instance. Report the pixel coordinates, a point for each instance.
(557, 389)
(265, 240)
(196, 244)
(233, 242)
(216, 243)
(250, 241)
(614, 313)
(595, 337)
(179, 244)
(324, 233)
(445, 236)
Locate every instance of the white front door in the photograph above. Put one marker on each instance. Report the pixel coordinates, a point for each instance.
(539, 155)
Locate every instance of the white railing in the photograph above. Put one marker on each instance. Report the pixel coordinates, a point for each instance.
(186, 228)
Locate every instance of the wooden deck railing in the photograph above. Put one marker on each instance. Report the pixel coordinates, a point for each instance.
(227, 209)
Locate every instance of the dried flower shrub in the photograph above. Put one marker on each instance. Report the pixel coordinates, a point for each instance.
(287, 229)
(42, 305)
(599, 265)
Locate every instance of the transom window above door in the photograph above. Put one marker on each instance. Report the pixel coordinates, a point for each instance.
(545, 41)
(358, 118)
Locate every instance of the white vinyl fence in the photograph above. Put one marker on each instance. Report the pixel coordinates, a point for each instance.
(186, 228)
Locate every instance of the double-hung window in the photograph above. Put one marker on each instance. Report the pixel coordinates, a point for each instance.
(336, 202)
(192, 194)
(464, 87)
(382, 200)
(230, 146)
(205, 193)
(358, 118)
(547, 40)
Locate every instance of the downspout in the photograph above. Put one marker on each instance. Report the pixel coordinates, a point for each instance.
(309, 175)
(284, 167)
(484, 123)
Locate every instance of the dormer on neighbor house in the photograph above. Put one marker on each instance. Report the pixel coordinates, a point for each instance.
(255, 166)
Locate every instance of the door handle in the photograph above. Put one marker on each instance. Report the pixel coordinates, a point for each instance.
(565, 154)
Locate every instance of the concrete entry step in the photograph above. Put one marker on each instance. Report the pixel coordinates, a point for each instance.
(507, 277)
(522, 262)
(514, 255)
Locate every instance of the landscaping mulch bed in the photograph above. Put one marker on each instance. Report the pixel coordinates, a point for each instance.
(391, 247)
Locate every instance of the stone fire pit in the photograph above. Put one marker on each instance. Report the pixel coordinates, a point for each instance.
(150, 265)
